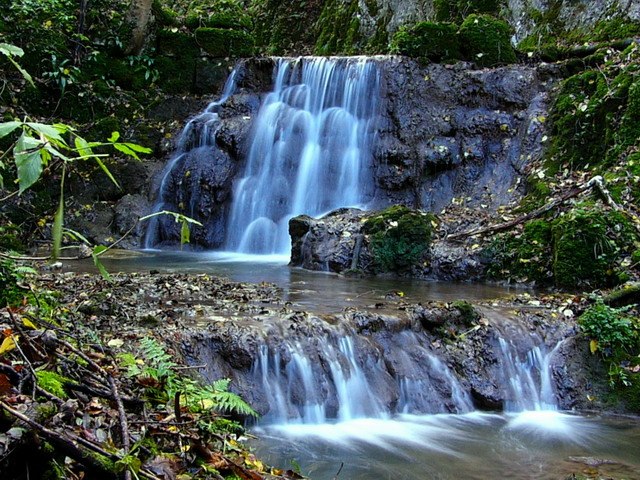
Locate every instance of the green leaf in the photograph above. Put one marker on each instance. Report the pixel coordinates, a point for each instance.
(56, 231)
(7, 127)
(28, 161)
(185, 233)
(49, 131)
(138, 148)
(114, 137)
(11, 50)
(82, 146)
(107, 172)
(121, 147)
(97, 251)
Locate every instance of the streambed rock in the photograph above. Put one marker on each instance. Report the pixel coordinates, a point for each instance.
(338, 242)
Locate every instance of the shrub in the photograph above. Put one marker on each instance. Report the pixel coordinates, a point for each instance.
(435, 41)
(486, 40)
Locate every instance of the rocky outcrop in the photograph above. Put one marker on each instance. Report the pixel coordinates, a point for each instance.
(422, 359)
(452, 131)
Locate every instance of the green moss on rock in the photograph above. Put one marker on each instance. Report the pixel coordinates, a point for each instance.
(456, 10)
(338, 28)
(586, 244)
(596, 113)
(486, 40)
(220, 42)
(164, 16)
(399, 237)
(435, 41)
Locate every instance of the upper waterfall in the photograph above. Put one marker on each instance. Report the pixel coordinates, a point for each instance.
(310, 150)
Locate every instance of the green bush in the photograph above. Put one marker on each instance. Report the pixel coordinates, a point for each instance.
(220, 42)
(399, 237)
(486, 40)
(435, 41)
(610, 327)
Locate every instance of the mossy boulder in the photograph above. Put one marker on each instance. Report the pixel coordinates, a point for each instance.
(163, 15)
(398, 237)
(581, 248)
(523, 256)
(220, 42)
(486, 40)
(435, 41)
(596, 113)
(586, 244)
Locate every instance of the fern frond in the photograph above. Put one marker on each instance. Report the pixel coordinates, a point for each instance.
(230, 402)
(221, 385)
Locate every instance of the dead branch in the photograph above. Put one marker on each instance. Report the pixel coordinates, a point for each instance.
(596, 183)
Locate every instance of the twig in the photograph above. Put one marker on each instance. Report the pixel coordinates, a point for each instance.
(596, 182)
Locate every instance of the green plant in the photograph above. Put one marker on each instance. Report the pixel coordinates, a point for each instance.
(183, 220)
(610, 328)
(10, 51)
(41, 146)
(52, 383)
(12, 277)
(156, 369)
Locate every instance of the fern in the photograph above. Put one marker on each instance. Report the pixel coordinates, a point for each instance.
(159, 365)
(230, 402)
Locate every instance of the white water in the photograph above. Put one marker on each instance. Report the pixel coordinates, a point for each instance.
(198, 133)
(310, 150)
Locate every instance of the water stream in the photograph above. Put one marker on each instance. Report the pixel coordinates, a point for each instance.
(310, 150)
(387, 404)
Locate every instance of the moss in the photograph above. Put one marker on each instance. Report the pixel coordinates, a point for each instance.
(224, 19)
(523, 257)
(164, 16)
(282, 27)
(52, 383)
(486, 41)
(221, 42)
(177, 43)
(338, 28)
(435, 41)
(586, 244)
(595, 115)
(468, 314)
(399, 237)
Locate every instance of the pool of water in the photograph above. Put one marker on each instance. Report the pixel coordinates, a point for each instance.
(309, 290)
(528, 445)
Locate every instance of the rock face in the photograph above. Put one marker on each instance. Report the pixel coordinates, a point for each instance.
(444, 132)
(452, 131)
(297, 366)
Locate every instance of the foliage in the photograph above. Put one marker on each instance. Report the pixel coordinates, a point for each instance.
(338, 28)
(399, 237)
(486, 40)
(11, 51)
(582, 247)
(595, 116)
(156, 368)
(12, 276)
(52, 382)
(41, 146)
(615, 333)
(435, 41)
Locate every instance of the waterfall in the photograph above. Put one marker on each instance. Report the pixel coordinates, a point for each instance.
(310, 150)
(342, 377)
(197, 139)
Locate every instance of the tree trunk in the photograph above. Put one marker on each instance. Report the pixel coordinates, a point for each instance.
(140, 15)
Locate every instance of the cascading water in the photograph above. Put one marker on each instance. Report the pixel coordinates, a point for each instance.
(310, 150)
(197, 139)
